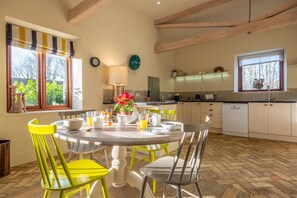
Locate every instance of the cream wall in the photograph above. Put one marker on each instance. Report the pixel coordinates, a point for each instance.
(207, 56)
(112, 34)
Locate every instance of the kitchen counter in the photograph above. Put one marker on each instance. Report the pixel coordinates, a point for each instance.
(151, 103)
(156, 103)
(242, 101)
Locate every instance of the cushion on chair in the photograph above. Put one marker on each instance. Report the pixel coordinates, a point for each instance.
(160, 170)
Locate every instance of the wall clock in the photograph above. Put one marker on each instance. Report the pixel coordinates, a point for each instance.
(134, 62)
(94, 61)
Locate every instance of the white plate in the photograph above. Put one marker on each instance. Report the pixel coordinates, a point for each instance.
(157, 130)
(172, 126)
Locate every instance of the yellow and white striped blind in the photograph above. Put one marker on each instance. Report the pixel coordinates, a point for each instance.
(19, 36)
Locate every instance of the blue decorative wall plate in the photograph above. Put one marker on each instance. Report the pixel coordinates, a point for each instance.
(134, 62)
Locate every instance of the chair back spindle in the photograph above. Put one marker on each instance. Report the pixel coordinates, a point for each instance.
(189, 169)
(41, 136)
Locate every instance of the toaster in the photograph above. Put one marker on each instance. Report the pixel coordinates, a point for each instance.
(209, 97)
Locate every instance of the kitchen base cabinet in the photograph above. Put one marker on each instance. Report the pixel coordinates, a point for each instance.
(270, 118)
(214, 110)
(294, 119)
(188, 112)
(258, 117)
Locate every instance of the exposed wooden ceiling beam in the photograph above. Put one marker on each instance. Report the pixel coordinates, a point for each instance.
(192, 10)
(200, 24)
(84, 9)
(277, 11)
(262, 25)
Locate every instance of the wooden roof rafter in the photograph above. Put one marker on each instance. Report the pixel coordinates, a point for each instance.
(84, 9)
(190, 11)
(229, 31)
(200, 24)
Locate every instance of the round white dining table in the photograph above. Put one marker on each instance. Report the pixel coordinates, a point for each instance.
(119, 137)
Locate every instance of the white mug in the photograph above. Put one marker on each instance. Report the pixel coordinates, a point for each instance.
(121, 120)
(155, 120)
(97, 122)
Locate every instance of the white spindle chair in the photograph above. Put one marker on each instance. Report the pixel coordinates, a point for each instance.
(81, 149)
(175, 171)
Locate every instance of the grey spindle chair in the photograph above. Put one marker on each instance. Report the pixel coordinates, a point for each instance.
(78, 148)
(175, 171)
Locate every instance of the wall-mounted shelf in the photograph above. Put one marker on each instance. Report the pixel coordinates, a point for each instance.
(205, 76)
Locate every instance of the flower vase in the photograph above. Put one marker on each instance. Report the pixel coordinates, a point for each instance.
(126, 113)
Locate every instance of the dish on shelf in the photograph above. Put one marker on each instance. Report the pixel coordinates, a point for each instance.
(218, 69)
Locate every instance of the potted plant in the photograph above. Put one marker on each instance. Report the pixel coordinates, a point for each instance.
(125, 103)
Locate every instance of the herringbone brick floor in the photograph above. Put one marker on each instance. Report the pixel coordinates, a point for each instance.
(232, 167)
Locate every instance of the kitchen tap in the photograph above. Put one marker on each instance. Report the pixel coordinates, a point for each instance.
(269, 93)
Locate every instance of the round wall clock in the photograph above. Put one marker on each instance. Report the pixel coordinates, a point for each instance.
(134, 62)
(94, 61)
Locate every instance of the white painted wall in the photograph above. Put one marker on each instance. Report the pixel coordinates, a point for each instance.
(112, 34)
(207, 56)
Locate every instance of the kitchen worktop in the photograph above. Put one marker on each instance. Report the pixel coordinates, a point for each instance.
(153, 103)
(169, 102)
(242, 101)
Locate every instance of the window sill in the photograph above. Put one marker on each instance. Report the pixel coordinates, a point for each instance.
(39, 112)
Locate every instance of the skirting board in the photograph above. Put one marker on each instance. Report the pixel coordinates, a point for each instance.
(273, 137)
(236, 134)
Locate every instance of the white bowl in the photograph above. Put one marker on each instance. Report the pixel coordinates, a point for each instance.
(73, 123)
(130, 118)
(172, 126)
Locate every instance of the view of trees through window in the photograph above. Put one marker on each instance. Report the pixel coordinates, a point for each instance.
(269, 72)
(258, 70)
(26, 69)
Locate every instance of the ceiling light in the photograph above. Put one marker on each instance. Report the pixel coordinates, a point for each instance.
(158, 2)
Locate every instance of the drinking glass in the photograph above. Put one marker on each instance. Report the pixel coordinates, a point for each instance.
(109, 112)
(89, 118)
(142, 124)
(142, 120)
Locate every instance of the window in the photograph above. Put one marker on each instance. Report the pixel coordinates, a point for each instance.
(257, 71)
(40, 66)
(45, 78)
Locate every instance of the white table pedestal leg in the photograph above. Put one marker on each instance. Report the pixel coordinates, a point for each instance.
(119, 165)
(120, 174)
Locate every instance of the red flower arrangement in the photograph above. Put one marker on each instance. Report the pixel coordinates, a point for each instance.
(124, 102)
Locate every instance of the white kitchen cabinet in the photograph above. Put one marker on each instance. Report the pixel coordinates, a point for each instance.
(213, 109)
(184, 112)
(195, 111)
(271, 118)
(294, 119)
(258, 117)
(216, 119)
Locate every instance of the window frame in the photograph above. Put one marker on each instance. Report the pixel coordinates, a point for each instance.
(281, 73)
(41, 58)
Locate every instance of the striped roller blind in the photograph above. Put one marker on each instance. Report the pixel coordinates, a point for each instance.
(19, 36)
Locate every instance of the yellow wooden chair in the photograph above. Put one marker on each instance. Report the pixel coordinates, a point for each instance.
(152, 149)
(68, 178)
